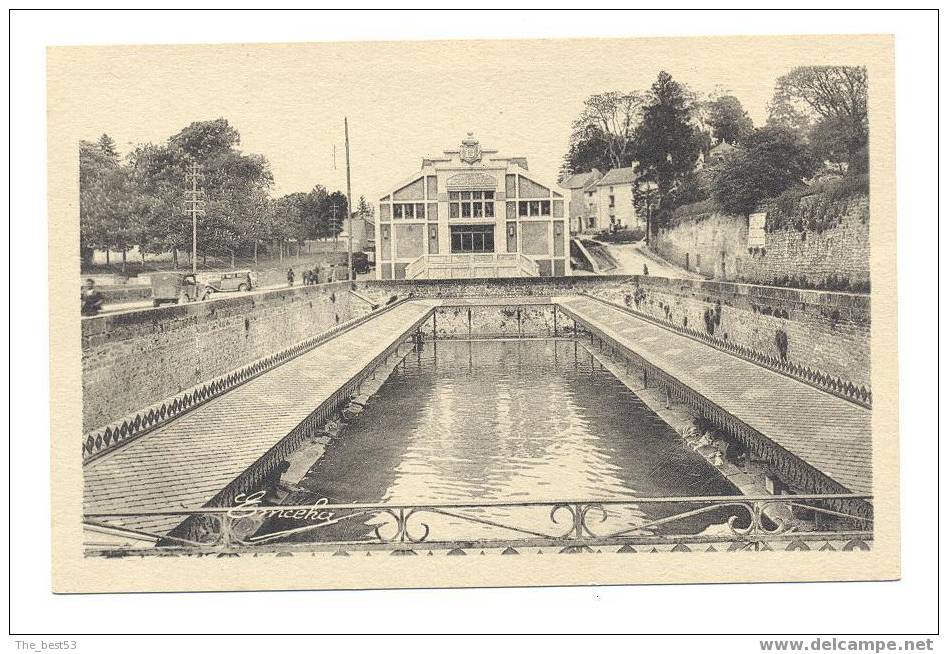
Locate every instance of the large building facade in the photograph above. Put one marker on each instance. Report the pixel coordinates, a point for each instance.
(471, 213)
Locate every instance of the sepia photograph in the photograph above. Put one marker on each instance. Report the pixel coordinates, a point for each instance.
(635, 321)
(472, 312)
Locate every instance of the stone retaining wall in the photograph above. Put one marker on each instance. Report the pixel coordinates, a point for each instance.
(824, 331)
(498, 321)
(134, 359)
(716, 245)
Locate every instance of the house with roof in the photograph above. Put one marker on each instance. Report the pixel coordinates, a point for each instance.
(717, 153)
(610, 202)
(576, 186)
(720, 151)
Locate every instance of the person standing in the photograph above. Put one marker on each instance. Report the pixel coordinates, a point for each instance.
(290, 276)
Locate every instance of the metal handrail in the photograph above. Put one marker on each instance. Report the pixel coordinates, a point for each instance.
(529, 266)
(501, 504)
(748, 522)
(414, 269)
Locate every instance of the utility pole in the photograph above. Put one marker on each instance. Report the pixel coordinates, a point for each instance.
(333, 225)
(195, 202)
(350, 276)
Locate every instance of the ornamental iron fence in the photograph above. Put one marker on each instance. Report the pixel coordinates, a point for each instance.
(97, 442)
(678, 524)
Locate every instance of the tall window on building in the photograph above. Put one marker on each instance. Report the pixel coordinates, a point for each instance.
(471, 204)
(472, 238)
(534, 208)
(408, 211)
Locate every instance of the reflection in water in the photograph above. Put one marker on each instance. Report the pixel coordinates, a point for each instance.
(513, 421)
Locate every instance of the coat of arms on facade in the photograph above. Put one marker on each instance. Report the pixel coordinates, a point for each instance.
(470, 149)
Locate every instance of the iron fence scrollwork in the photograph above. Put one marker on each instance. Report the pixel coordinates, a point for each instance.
(731, 523)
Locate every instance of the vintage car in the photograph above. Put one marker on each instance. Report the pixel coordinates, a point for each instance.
(235, 280)
(176, 287)
(360, 263)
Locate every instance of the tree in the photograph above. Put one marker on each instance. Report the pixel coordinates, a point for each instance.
(666, 142)
(144, 221)
(107, 147)
(141, 202)
(783, 113)
(837, 94)
(236, 185)
(702, 105)
(157, 174)
(728, 120)
(771, 160)
(204, 140)
(103, 199)
(92, 229)
(829, 141)
(287, 218)
(603, 133)
(365, 210)
(315, 215)
(588, 149)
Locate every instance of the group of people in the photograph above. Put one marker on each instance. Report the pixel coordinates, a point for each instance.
(310, 277)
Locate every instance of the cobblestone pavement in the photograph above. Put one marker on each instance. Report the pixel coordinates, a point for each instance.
(185, 463)
(829, 433)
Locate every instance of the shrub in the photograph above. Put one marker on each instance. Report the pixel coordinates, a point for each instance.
(696, 210)
(831, 282)
(829, 201)
(771, 160)
(633, 235)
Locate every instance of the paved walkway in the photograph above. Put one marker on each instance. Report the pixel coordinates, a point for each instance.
(632, 257)
(829, 433)
(186, 462)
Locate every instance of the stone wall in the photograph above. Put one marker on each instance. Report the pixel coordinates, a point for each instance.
(716, 246)
(133, 359)
(525, 320)
(824, 331)
(502, 287)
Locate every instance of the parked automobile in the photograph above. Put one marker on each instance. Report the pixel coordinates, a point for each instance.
(176, 287)
(235, 280)
(360, 263)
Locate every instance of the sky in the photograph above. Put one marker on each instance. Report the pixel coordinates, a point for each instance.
(403, 100)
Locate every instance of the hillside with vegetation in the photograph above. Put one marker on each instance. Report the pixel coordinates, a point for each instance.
(700, 155)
